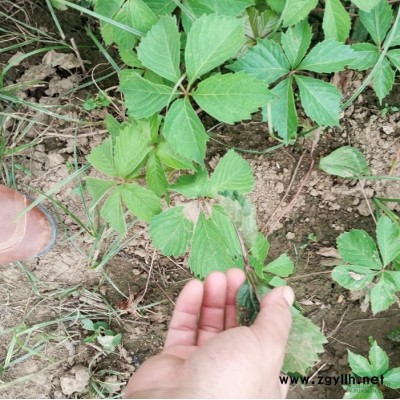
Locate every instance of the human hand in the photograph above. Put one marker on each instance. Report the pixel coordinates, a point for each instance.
(207, 355)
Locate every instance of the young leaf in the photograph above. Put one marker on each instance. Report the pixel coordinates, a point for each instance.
(161, 7)
(159, 50)
(296, 10)
(171, 231)
(378, 359)
(377, 21)
(296, 41)
(394, 57)
(140, 201)
(266, 61)
(388, 237)
(336, 22)
(143, 98)
(97, 188)
(185, 132)
(346, 162)
(383, 295)
(209, 249)
(365, 5)
(231, 97)
(359, 364)
(170, 158)
(260, 248)
(320, 100)
(113, 213)
(212, 40)
(283, 266)
(193, 186)
(353, 277)
(232, 173)
(155, 175)
(284, 113)
(101, 158)
(392, 378)
(358, 248)
(366, 56)
(383, 80)
(327, 56)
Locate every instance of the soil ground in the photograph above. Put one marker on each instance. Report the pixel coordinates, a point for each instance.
(303, 211)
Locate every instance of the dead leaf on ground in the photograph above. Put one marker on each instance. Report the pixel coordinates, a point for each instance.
(63, 60)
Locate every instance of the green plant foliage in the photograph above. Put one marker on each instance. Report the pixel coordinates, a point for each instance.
(394, 335)
(106, 338)
(337, 22)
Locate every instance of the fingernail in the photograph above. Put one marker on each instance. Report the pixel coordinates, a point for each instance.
(288, 294)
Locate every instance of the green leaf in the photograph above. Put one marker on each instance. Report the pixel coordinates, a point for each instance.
(304, 344)
(142, 97)
(159, 50)
(209, 249)
(320, 100)
(366, 56)
(140, 201)
(362, 391)
(231, 97)
(212, 40)
(284, 113)
(112, 125)
(396, 36)
(107, 9)
(97, 188)
(260, 248)
(388, 238)
(394, 278)
(193, 186)
(345, 162)
(359, 364)
(113, 213)
(185, 132)
(228, 7)
(377, 21)
(383, 80)
(129, 57)
(296, 41)
(358, 248)
(161, 7)
(171, 231)
(101, 158)
(155, 175)
(170, 158)
(131, 148)
(392, 378)
(232, 173)
(296, 10)
(365, 5)
(327, 56)
(378, 359)
(258, 24)
(247, 304)
(353, 277)
(394, 57)
(283, 266)
(383, 295)
(336, 22)
(266, 61)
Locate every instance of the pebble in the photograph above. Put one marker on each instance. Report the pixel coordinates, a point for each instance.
(290, 236)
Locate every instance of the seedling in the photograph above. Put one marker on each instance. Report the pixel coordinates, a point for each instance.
(105, 337)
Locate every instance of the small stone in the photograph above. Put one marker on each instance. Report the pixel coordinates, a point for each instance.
(313, 193)
(340, 299)
(290, 236)
(363, 209)
(75, 381)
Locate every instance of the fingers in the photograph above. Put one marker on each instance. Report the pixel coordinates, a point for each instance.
(235, 277)
(184, 322)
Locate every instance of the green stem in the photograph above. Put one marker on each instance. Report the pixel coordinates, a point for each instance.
(55, 19)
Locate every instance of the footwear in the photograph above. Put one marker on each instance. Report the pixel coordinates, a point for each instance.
(29, 235)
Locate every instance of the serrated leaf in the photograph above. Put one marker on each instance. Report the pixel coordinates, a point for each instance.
(377, 21)
(337, 22)
(353, 277)
(212, 40)
(378, 359)
(362, 391)
(101, 158)
(266, 61)
(247, 304)
(297, 10)
(383, 295)
(232, 173)
(366, 56)
(140, 201)
(129, 57)
(396, 36)
(161, 7)
(304, 344)
(345, 162)
(155, 175)
(231, 97)
(260, 248)
(296, 41)
(394, 57)
(320, 100)
(159, 50)
(228, 7)
(171, 231)
(97, 188)
(258, 24)
(327, 56)
(359, 365)
(170, 158)
(113, 213)
(394, 278)
(142, 97)
(283, 109)
(365, 5)
(185, 132)
(130, 149)
(209, 249)
(107, 9)
(388, 238)
(283, 266)
(358, 248)
(193, 186)
(112, 125)
(392, 378)
(383, 80)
